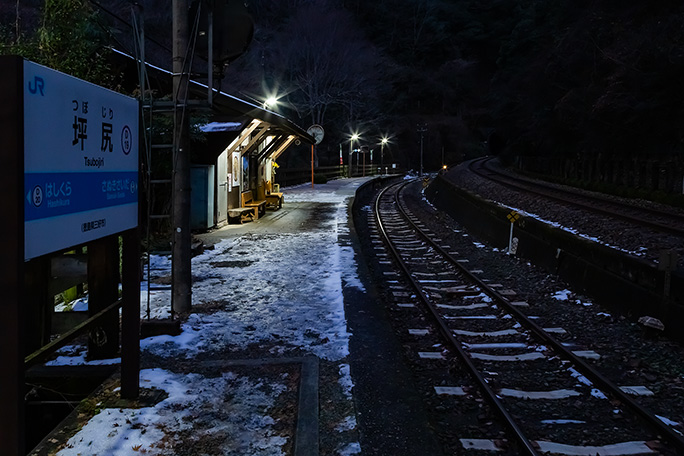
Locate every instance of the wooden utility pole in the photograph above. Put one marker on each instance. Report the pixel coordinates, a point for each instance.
(181, 269)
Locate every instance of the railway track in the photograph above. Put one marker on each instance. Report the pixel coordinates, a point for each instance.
(660, 220)
(475, 342)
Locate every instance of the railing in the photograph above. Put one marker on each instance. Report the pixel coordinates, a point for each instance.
(294, 176)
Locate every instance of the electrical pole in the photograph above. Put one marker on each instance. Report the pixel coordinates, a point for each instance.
(181, 300)
(422, 128)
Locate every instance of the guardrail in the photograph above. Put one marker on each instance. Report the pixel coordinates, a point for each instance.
(293, 176)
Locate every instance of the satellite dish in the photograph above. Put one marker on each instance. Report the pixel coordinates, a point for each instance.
(317, 132)
(233, 29)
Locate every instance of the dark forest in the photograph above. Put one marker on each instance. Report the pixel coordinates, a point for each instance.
(574, 79)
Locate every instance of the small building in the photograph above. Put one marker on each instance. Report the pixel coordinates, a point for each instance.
(243, 143)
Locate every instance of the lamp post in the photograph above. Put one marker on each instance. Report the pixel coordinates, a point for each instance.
(422, 128)
(353, 138)
(383, 141)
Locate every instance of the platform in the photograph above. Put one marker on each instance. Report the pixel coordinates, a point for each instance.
(273, 289)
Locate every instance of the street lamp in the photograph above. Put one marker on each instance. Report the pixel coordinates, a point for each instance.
(383, 141)
(271, 102)
(354, 137)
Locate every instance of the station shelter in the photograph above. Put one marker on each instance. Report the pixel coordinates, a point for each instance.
(233, 170)
(243, 143)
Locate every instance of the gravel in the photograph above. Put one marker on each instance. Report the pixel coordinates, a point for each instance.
(638, 241)
(629, 356)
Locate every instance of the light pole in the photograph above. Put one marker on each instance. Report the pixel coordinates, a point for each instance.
(383, 141)
(353, 138)
(422, 128)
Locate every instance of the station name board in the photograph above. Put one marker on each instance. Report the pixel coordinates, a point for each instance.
(80, 161)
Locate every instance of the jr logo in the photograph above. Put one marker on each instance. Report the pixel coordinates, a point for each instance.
(37, 85)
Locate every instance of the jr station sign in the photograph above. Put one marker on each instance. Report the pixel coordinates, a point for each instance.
(68, 177)
(80, 161)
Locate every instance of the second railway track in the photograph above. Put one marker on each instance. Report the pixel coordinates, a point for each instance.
(474, 339)
(661, 220)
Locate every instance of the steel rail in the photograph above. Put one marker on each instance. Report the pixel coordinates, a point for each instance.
(508, 181)
(455, 343)
(584, 368)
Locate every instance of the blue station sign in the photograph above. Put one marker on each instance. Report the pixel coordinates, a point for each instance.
(80, 161)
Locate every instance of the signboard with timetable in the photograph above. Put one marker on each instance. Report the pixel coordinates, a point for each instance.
(80, 161)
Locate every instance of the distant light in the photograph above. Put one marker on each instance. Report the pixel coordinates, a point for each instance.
(354, 137)
(443, 166)
(385, 140)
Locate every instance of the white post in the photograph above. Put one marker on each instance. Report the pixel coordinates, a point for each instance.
(510, 239)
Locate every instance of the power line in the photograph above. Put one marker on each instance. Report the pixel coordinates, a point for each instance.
(127, 24)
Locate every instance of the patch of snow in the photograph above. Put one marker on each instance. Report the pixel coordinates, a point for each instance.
(75, 355)
(580, 378)
(639, 252)
(275, 296)
(348, 424)
(562, 422)
(346, 381)
(351, 449)
(78, 305)
(667, 421)
(562, 295)
(236, 408)
(598, 394)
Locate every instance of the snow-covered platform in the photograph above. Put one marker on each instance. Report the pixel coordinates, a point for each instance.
(271, 289)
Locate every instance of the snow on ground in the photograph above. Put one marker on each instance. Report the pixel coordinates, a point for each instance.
(281, 291)
(239, 424)
(641, 251)
(562, 295)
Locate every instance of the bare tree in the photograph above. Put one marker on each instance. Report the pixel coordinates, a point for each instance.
(326, 62)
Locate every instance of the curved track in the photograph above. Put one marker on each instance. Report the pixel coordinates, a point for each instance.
(483, 331)
(657, 219)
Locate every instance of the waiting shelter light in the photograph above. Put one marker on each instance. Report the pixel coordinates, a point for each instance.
(271, 101)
